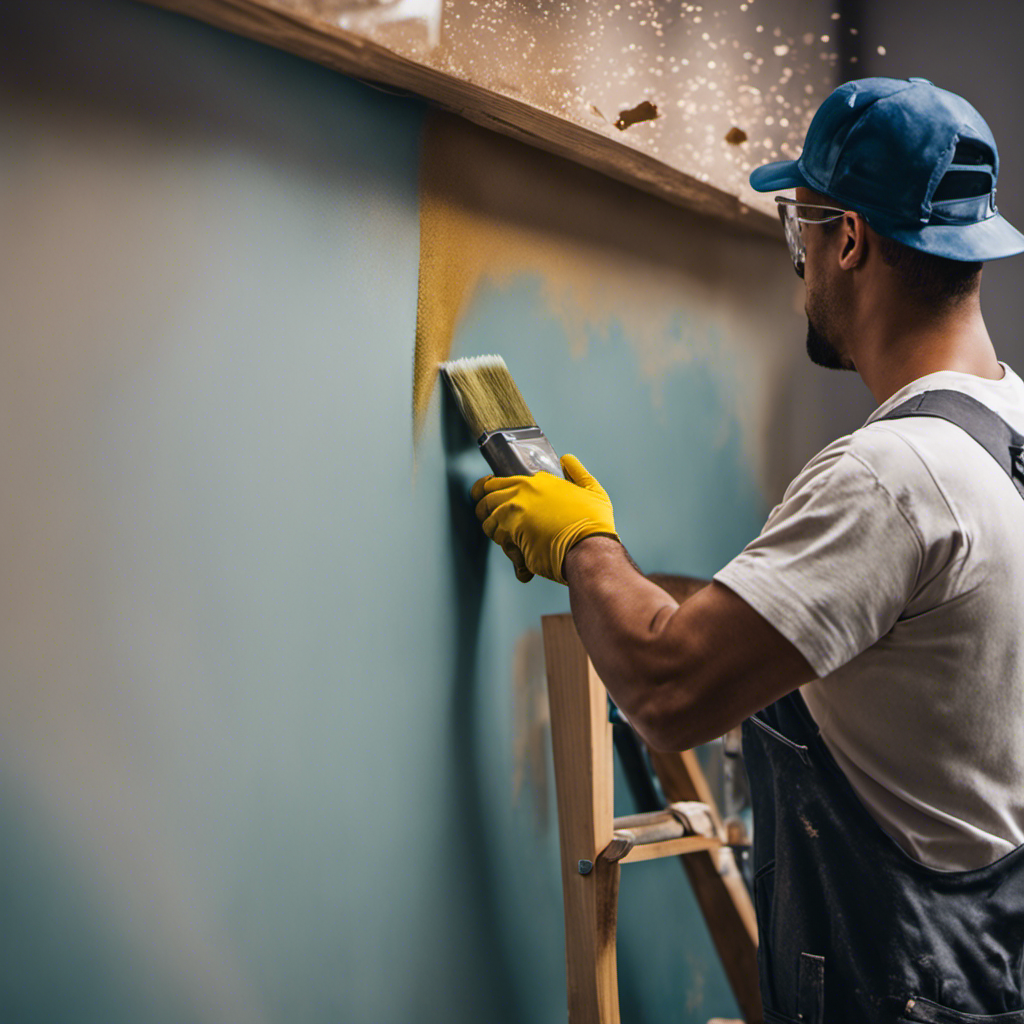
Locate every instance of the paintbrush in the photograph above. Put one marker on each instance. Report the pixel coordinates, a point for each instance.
(501, 422)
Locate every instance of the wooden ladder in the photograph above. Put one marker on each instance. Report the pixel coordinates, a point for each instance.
(594, 843)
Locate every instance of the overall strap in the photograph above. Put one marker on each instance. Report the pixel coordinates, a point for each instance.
(989, 429)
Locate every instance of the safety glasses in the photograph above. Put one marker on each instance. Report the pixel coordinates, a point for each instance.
(793, 216)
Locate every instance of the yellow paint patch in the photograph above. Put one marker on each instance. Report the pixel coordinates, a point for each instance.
(679, 286)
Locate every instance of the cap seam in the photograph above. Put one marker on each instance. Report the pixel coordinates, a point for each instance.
(936, 176)
(809, 177)
(893, 183)
(858, 123)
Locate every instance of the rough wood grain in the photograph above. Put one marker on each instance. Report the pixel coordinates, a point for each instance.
(354, 55)
(581, 738)
(671, 848)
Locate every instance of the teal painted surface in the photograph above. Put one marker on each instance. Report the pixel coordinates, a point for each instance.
(685, 503)
(257, 748)
(673, 468)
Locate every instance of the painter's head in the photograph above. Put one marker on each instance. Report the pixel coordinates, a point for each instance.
(894, 204)
(851, 270)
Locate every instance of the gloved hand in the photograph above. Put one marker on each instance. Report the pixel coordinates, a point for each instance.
(537, 519)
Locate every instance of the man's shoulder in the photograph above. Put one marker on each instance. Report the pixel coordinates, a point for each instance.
(903, 449)
(937, 441)
(874, 453)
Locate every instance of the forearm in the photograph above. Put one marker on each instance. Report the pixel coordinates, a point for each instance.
(619, 615)
(680, 587)
(683, 673)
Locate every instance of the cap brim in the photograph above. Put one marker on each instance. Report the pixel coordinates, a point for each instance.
(990, 239)
(777, 176)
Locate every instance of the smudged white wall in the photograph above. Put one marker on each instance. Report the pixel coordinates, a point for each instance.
(714, 89)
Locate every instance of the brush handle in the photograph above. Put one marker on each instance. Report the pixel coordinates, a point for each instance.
(522, 451)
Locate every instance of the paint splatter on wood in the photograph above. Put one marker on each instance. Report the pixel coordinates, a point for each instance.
(645, 111)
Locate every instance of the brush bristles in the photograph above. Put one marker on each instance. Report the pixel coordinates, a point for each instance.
(486, 394)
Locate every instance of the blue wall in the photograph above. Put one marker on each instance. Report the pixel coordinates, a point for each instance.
(258, 743)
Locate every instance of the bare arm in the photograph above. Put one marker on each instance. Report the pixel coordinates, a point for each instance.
(682, 673)
(680, 587)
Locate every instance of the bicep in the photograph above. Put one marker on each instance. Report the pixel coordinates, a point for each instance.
(716, 662)
(828, 576)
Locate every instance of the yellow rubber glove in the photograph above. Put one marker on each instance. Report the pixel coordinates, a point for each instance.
(537, 519)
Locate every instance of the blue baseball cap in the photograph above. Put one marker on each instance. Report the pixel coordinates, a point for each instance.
(918, 162)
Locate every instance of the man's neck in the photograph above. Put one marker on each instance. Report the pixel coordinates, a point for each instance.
(895, 354)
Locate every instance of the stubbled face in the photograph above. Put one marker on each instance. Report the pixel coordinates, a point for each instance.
(823, 346)
(823, 305)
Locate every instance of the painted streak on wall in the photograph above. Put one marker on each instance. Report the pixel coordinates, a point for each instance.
(660, 350)
(531, 728)
(607, 258)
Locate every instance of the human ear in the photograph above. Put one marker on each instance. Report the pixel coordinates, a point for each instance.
(853, 242)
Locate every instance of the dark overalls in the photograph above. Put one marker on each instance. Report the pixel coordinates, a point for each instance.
(852, 929)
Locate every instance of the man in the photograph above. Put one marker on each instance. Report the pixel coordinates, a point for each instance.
(878, 619)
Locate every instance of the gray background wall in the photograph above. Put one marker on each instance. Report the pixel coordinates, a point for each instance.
(271, 709)
(972, 50)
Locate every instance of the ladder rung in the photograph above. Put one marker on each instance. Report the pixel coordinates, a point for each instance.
(670, 848)
(680, 828)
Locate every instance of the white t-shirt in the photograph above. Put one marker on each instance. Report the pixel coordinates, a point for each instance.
(895, 565)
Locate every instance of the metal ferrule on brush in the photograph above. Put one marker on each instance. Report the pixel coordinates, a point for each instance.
(487, 397)
(519, 451)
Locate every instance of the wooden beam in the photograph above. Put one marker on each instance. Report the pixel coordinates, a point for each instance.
(355, 55)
